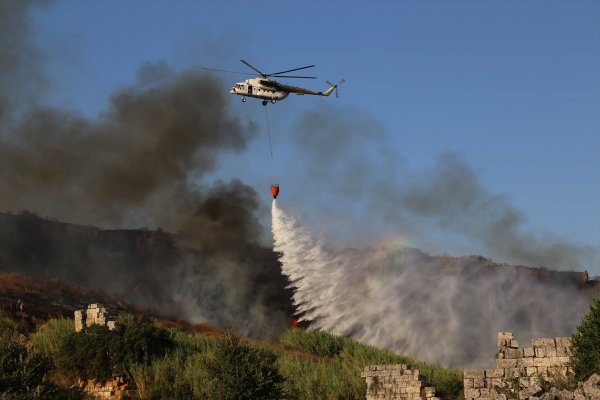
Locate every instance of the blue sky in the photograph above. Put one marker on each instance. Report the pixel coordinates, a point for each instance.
(511, 88)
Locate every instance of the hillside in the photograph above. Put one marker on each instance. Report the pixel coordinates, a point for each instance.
(152, 269)
(59, 267)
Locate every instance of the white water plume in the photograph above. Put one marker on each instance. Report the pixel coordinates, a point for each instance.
(437, 309)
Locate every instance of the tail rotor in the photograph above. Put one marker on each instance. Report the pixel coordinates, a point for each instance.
(335, 86)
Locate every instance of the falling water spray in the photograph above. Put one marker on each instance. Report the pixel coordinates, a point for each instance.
(437, 309)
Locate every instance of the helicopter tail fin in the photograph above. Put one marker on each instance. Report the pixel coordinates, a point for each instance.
(332, 87)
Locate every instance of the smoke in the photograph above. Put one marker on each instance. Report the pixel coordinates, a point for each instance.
(437, 309)
(347, 156)
(142, 162)
(20, 80)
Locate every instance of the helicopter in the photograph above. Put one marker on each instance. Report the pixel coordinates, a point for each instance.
(272, 91)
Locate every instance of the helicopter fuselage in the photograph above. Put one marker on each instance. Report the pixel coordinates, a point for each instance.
(260, 88)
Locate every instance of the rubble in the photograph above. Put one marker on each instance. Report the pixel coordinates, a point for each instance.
(396, 382)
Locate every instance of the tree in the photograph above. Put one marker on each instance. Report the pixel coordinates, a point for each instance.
(239, 371)
(585, 344)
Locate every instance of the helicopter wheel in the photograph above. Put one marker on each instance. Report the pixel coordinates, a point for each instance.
(273, 101)
(243, 99)
(264, 103)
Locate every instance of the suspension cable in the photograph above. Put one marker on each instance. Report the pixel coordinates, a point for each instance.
(269, 133)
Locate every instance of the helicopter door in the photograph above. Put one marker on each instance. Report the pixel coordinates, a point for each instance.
(249, 89)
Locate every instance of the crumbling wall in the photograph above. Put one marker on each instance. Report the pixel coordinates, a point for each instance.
(519, 370)
(95, 313)
(114, 389)
(396, 382)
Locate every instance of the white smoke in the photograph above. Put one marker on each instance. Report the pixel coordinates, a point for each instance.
(416, 304)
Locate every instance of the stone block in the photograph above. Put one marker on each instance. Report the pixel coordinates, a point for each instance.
(543, 371)
(528, 352)
(525, 362)
(513, 353)
(468, 383)
(496, 382)
(494, 373)
(503, 337)
(540, 351)
(473, 373)
(514, 372)
(565, 360)
(591, 387)
(478, 383)
(561, 352)
(563, 342)
(550, 351)
(514, 343)
(541, 362)
(531, 371)
(428, 391)
(512, 363)
(472, 393)
(543, 342)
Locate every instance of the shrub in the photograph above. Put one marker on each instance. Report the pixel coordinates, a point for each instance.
(86, 355)
(585, 344)
(136, 342)
(100, 354)
(239, 371)
(23, 374)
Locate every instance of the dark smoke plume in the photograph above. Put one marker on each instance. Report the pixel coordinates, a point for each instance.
(20, 78)
(449, 197)
(141, 163)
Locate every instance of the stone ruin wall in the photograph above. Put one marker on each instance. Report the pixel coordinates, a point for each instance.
(113, 389)
(94, 314)
(519, 370)
(396, 382)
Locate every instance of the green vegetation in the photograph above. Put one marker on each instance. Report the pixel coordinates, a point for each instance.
(239, 371)
(24, 373)
(100, 354)
(318, 343)
(345, 358)
(50, 336)
(585, 344)
(168, 363)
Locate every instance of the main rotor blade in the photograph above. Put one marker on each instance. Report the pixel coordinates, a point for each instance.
(224, 70)
(290, 70)
(294, 76)
(261, 73)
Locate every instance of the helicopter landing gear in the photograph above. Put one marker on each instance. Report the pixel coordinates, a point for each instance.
(243, 99)
(264, 103)
(273, 101)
